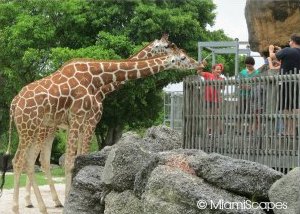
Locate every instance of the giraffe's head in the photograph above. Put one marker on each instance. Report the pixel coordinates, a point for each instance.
(178, 59)
(161, 46)
(156, 48)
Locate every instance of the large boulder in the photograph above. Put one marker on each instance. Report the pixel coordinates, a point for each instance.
(87, 192)
(171, 191)
(178, 158)
(162, 138)
(122, 203)
(242, 177)
(271, 22)
(96, 158)
(286, 191)
(122, 164)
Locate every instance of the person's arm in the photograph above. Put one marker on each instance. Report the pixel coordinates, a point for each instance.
(271, 52)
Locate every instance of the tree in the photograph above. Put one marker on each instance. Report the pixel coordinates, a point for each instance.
(38, 36)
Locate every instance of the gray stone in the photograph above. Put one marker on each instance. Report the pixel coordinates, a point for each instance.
(122, 203)
(86, 192)
(141, 178)
(179, 158)
(61, 161)
(129, 137)
(287, 190)
(96, 158)
(170, 190)
(162, 138)
(123, 163)
(242, 177)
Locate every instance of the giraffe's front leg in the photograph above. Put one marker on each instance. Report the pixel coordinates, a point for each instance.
(88, 135)
(71, 150)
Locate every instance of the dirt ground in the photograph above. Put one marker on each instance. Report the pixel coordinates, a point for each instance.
(6, 200)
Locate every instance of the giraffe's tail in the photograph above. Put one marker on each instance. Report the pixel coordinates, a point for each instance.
(5, 160)
(7, 156)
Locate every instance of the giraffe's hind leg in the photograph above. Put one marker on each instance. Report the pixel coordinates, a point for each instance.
(25, 159)
(28, 202)
(45, 162)
(31, 158)
(18, 163)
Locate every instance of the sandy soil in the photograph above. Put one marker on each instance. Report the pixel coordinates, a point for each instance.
(6, 200)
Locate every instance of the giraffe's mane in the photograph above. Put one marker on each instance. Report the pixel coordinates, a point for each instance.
(108, 60)
(142, 49)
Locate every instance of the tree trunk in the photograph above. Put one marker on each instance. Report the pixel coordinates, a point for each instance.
(113, 135)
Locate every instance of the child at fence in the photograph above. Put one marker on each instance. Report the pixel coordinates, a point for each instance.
(247, 105)
(212, 96)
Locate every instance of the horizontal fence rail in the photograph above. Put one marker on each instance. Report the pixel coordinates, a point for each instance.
(255, 119)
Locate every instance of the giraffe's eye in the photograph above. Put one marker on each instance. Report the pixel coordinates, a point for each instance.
(183, 58)
(173, 60)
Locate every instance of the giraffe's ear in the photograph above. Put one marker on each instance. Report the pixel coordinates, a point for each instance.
(165, 36)
(173, 46)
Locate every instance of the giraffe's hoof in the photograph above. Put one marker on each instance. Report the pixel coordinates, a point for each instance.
(59, 206)
(30, 206)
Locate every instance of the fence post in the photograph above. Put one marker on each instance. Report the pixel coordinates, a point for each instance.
(172, 111)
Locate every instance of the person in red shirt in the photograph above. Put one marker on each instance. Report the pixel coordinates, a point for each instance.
(212, 94)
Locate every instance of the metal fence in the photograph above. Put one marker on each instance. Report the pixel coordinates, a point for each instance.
(173, 105)
(255, 119)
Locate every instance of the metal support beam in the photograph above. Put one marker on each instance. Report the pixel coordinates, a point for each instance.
(224, 47)
(236, 67)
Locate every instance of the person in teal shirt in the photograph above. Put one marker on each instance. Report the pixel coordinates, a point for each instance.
(246, 103)
(248, 72)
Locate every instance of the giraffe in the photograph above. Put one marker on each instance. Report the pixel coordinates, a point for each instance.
(65, 98)
(45, 140)
(46, 136)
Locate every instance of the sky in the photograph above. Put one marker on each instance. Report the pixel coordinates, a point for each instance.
(230, 17)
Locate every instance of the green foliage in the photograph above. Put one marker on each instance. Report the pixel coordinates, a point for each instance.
(59, 145)
(40, 178)
(38, 36)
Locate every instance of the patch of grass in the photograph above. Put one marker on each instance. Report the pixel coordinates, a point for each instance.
(40, 178)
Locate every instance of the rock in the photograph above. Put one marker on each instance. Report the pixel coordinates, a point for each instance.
(122, 164)
(141, 178)
(122, 203)
(129, 137)
(162, 138)
(37, 168)
(171, 191)
(287, 190)
(242, 177)
(271, 22)
(86, 192)
(178, 158)
(61, 161)
(96, 158)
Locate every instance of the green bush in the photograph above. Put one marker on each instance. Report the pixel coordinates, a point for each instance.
(59, 145)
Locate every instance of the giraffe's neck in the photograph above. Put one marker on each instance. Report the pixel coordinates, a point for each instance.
(132, 70)
(100, 73)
